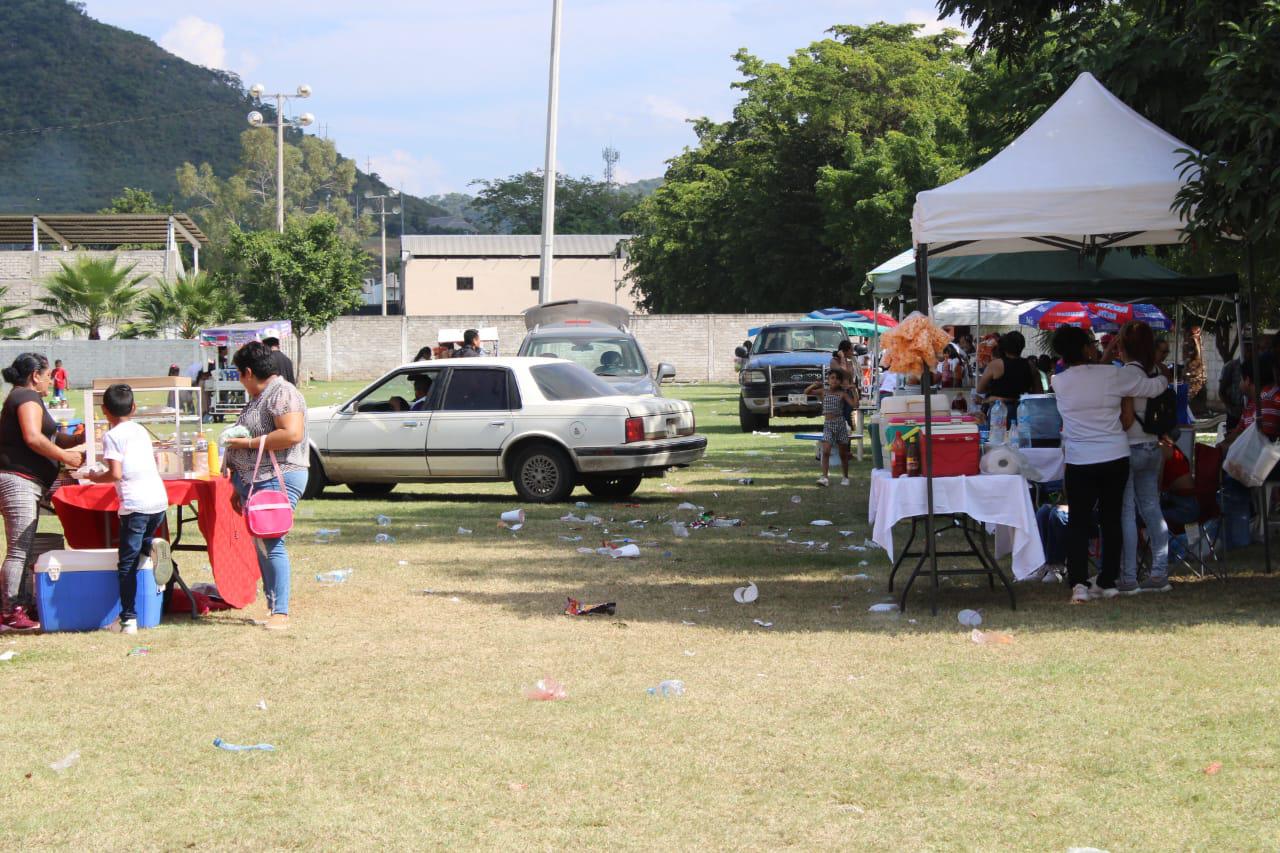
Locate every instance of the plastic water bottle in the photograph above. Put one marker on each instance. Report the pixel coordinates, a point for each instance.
(384, 539)
(335, 576)
(666, 689)
(325, 535)
(998, 417)
(1024, 424)
(383, 521)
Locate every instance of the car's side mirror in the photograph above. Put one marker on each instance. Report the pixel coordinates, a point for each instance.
(740, 352)
(666, 371)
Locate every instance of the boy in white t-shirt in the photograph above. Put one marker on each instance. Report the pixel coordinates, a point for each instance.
(131, 465)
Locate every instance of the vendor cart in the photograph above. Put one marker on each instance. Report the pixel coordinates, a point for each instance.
(223, 393)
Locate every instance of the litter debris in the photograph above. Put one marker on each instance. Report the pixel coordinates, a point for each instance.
(689, 653)
(845, 533)
(593, 519)
(726, 522)
(688, 506)
(679, 529)
(586, 550)
(990, 638)
(860, 576)
(464, 531)
(514, 528)
(403, 563)
(883, 607)
(762, 623)
(237, 747)
(969, 618)
(856, 548)
(570, 538)
(820, 522)
(862, 563)
(668, 688)
(1213, 769)
(577, 608)
(9, 655)
(383, 520)
(624, 551)
(687, 622)
(761, 432)
(513, 516)
(675, 490)
(66, 762)
(518, 786)
(335, 576)
(384, 539)
(795, 499)
(746, 481)
(867, 543)
(138, 651)
(582, 505)
(325, 535)
(769, 512)
(262, 704)
(746, 594)
(545, 690)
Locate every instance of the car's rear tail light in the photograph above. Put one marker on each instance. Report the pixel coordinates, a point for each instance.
(635, 430)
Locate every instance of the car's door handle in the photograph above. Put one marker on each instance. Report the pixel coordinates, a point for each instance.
(497, 423)
(410, 424)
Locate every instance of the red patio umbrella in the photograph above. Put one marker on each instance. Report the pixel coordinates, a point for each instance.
(877, 317)
(1051, 315)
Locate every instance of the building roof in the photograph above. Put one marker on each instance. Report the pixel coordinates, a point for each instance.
(98, 229)
(509, 245)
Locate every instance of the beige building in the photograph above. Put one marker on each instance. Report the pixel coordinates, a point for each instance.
(498, 274)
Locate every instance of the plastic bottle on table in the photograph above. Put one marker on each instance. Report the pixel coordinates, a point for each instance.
(898, 463)
(913, 457)
(998, 417)
(1024, 423)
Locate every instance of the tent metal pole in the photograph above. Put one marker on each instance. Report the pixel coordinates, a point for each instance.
(924, 304)
(1251, 274)
(924, 298)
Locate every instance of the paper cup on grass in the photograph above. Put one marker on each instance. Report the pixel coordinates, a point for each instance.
(515, 516)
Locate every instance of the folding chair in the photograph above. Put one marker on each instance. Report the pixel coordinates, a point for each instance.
(1206, 477)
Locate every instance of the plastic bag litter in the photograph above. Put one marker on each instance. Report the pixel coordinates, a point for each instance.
(795, 499)
(65, 762)
(860, 576)
(726, 522)
(335, 576)
(679, 529)
(769, 512)
(513, 516)
(570, 538)
(572, 519)
(761, 432)
(382, 520)
(883, 607)
(688, 506)
(586, 550)
(820, 522)
(1213, 769)
(845, 533)
(582, 505)
(990, 638)
(969, 618)
(746, 594)
(668, 688)
(545, 690)
(262, 705)
(623, 552)
(384, 539)
(464, 531)
(9, 655)
(862, 563)
(237, 747)
(138, 651)
(593, 519)
(762, 623)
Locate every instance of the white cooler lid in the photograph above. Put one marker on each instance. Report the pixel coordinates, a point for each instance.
(86, 560)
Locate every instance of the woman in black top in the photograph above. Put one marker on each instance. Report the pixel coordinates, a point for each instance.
(1008, 376)
(30, 451)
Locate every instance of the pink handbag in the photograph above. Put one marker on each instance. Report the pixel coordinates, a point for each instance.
(267, 512)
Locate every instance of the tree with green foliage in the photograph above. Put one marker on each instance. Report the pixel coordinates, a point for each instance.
(10, 316)
(182, 308)
(811, 182)
(513, 205)
(134, 200)
(309, 275)
(88, 294)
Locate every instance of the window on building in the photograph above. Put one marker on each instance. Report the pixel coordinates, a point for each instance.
(466, 282)
(534, 282)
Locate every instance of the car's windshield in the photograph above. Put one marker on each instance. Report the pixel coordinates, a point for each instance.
(798, 338)
(562, 381)
(613, 355)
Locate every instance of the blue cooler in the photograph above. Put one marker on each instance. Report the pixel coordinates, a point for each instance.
(80, 591)
(1041, 411)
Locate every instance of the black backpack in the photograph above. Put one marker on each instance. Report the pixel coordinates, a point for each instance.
(1162, 413)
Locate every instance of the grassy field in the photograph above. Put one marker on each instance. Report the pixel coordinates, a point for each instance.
(396, 703)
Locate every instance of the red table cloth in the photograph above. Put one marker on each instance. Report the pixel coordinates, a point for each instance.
(89, 516)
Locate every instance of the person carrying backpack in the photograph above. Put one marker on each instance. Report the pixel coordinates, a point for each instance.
(1144, 420)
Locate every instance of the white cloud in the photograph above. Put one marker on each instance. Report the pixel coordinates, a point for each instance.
(666, 108)
(197, 40)
(416, 175)
(932, 24)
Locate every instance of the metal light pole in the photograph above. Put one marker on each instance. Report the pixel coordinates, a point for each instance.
(382, 213)
(549, 170)
(258, 92)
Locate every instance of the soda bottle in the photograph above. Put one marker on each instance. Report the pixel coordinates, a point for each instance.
(913, 458)
(899, 451)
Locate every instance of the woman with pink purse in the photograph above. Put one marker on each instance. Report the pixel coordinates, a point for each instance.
(269, 469)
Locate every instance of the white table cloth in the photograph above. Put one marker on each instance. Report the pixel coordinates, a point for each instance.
(999, 500)
(1048, 462)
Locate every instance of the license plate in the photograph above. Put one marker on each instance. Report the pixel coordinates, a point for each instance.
(673, 429)
(797, 399)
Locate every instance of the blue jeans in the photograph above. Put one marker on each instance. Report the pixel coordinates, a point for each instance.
(1142, 497)
(273, 559)
(136, 532)
(1052, 522)
(1180, 509)
(1237, 512)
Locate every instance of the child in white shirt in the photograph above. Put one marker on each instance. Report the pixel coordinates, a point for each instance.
(131, 466)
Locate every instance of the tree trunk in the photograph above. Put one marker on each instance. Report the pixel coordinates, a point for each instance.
(297, 358)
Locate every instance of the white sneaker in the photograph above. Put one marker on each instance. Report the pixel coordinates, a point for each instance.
(1079, 594)
(129, 626)
(844, 481)
(823, 481)
(1096, 591)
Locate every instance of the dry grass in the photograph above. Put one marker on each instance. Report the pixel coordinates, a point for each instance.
(400, 722)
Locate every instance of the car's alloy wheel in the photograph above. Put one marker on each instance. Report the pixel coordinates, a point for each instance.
(543, 474)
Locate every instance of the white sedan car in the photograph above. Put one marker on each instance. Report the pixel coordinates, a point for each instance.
(547, 425)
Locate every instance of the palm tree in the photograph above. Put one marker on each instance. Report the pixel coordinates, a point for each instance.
(10, 315)
(183, 308)
(88, 294)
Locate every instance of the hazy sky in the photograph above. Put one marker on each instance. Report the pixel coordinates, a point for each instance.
(437, 94)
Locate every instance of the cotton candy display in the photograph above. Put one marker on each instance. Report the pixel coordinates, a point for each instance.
(915, 341)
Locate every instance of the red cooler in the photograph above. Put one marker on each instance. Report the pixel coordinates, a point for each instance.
(956, 450)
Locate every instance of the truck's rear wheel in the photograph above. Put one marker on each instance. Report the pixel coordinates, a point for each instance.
(749, 420)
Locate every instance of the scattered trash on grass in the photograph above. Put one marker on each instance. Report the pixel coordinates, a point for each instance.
(545, 690)
(675, 490)
(820, 522)
(138, 651)
(384, 539)
(688, 506)
(990, 638)
(577, 608)
(66, 762)
(679, 530)
(860, 576)
(325, 535)
(746, 594)
(237, 747)
(769, 512)
(383, 520)
(570, 538)
(689, 653)
(668, 688)
(513, 516)
(746, 481)
(762, 623)
(518, 786)
(9, 655)
(262, 705)
(464, 531)
(762, 432)
(582, 505)
(883, 607)
(845, 533)
(969, 618)
(587, 551)
(862, 563)
(687, 622)
(403, 563)
(335, 576)
(626, 551)
(795, 499)
(1213, 769)
(593, 519)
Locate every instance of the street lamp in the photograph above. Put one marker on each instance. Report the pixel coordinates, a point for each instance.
(258, 92)
(549, 170)
(382, 213)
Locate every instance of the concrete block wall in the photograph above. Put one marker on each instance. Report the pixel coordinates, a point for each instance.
(86, 361)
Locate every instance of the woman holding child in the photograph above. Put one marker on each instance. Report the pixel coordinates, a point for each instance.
(276, 418)
(31, 449)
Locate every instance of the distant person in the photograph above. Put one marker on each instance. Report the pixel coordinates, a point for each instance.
(59, 376)
(470, 345)
(1229, 383)
(1007, 376)
(144, 503)
(838, 392)
(424, 354)
(284, 366)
